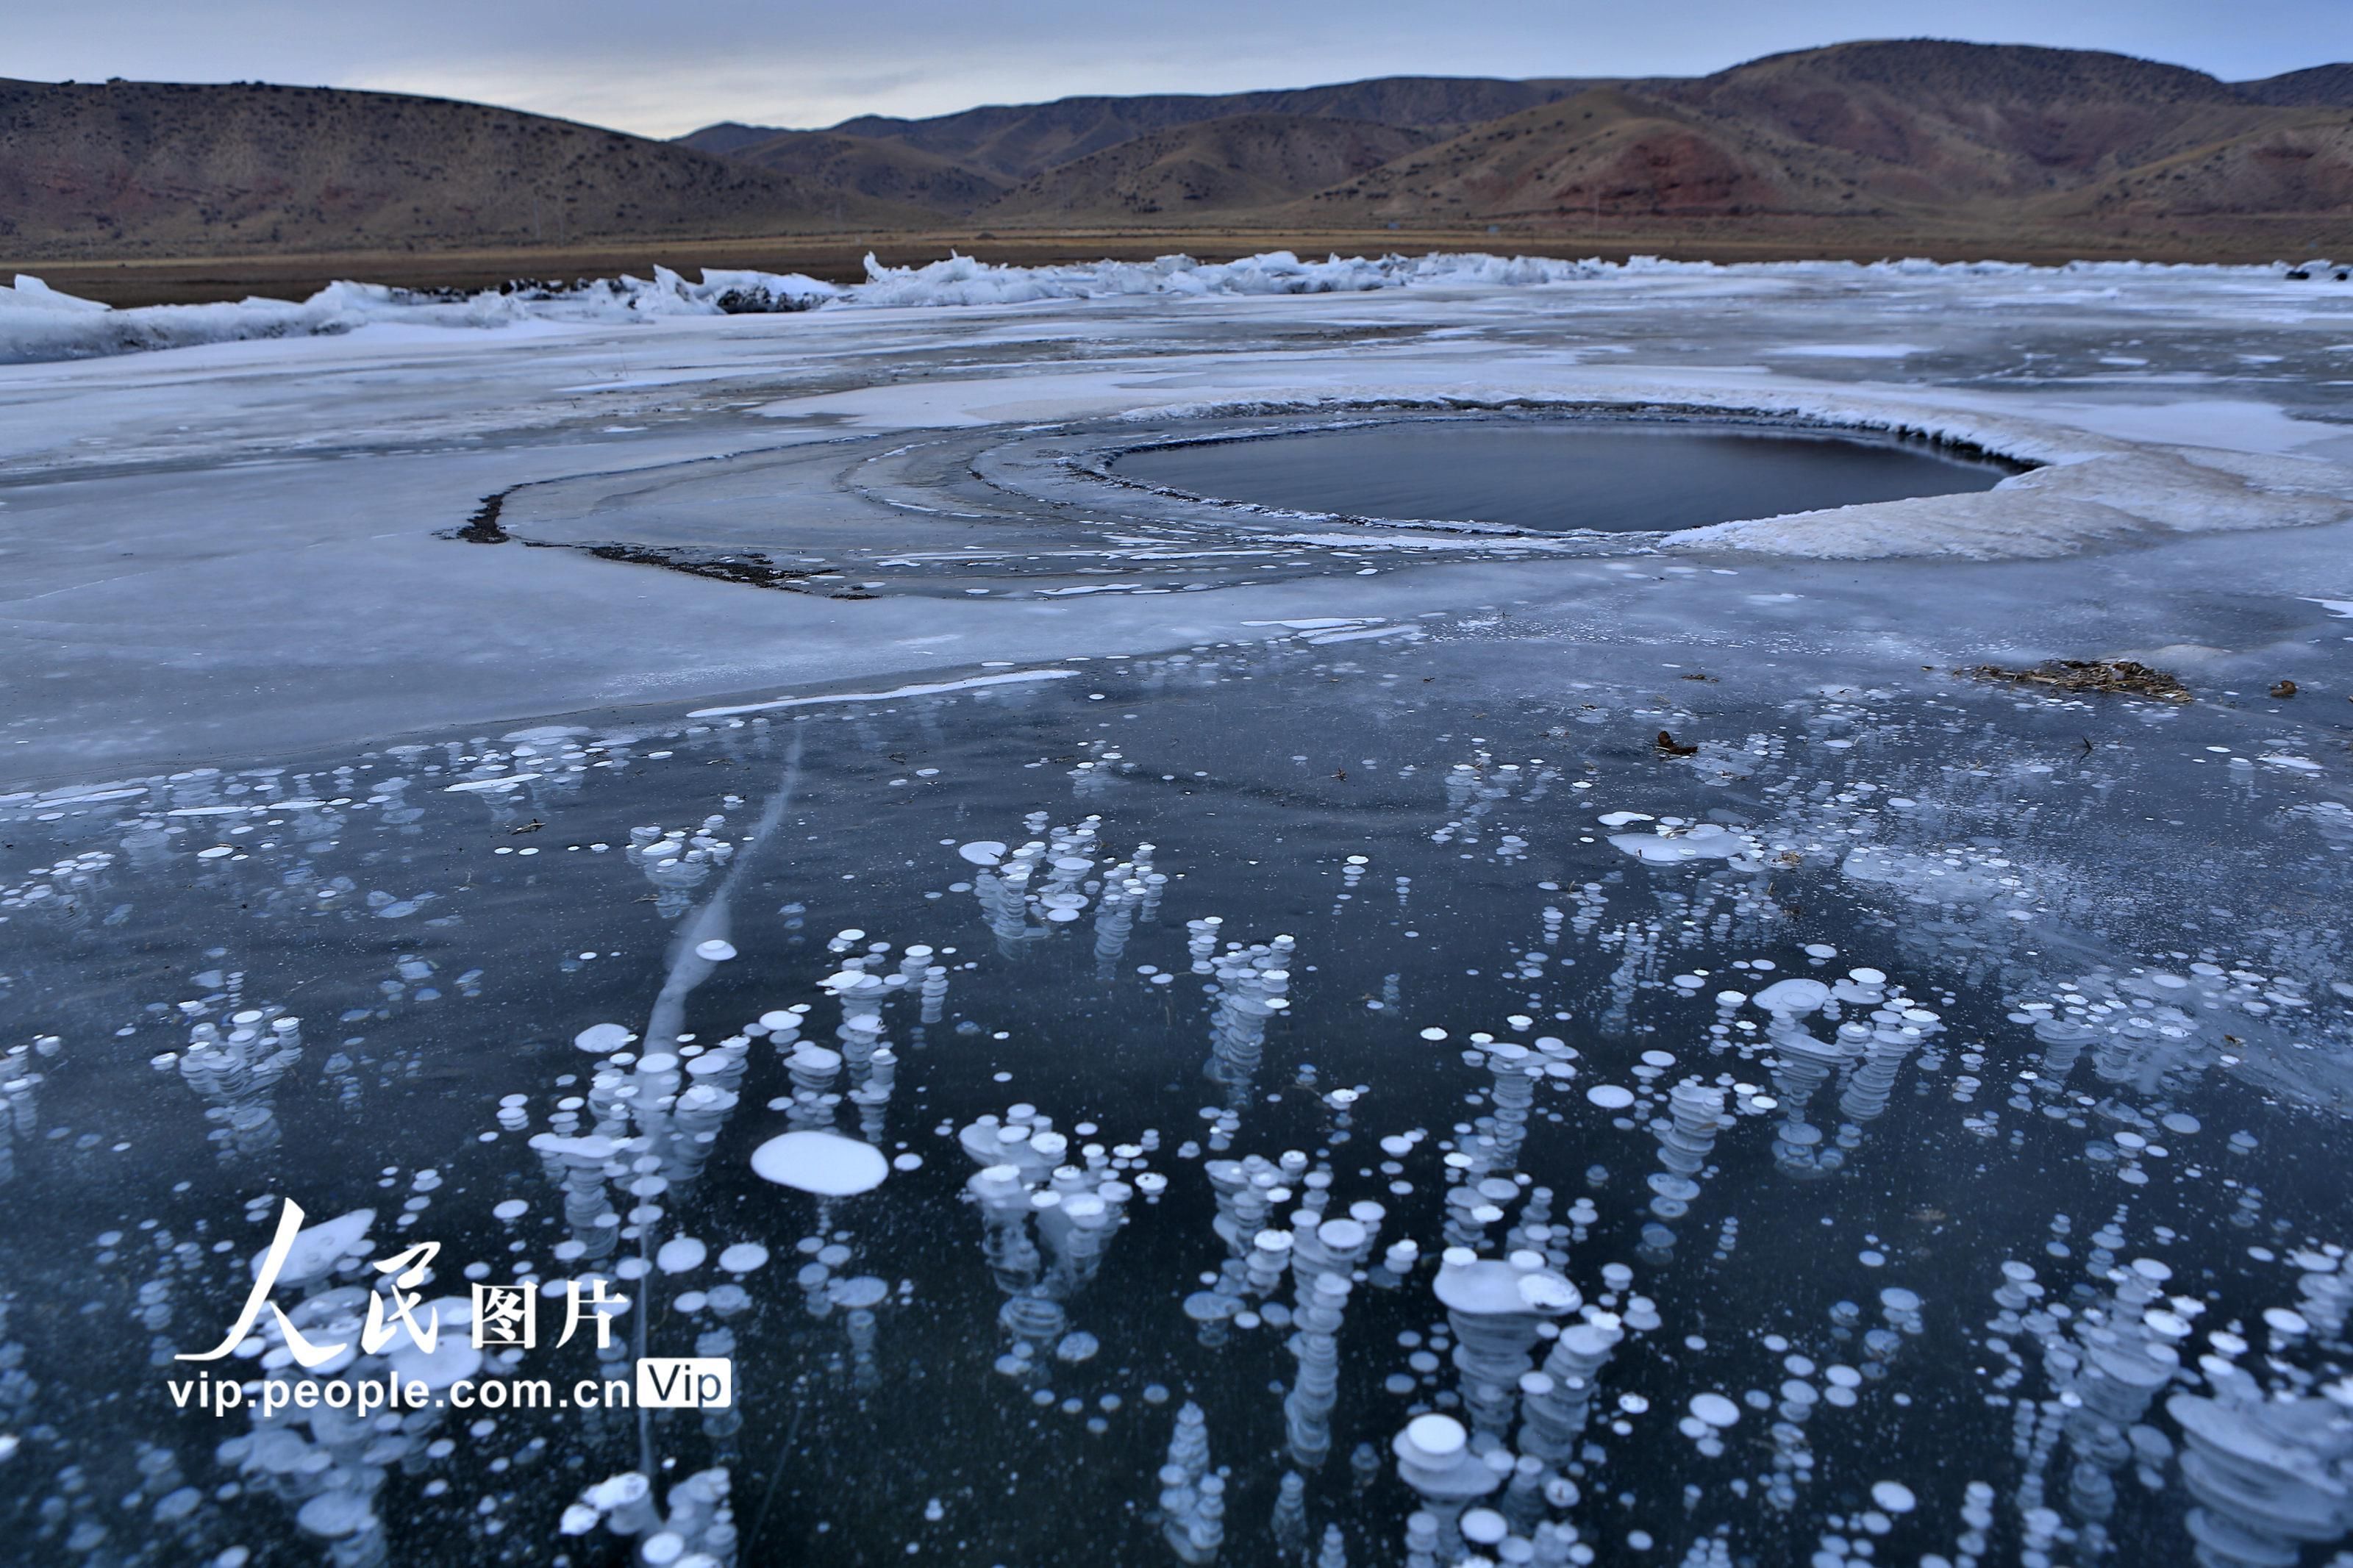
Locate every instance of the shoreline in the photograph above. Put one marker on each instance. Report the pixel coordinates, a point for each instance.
(839, 257)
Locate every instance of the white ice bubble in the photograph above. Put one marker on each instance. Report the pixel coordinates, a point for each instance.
(1793, 996)
(318, 1248)
(601, 1039)
(333, 1515)
(1435, 1435)
(1610, 1096)
(1894, 1497)
(1714, 1409)
(743, 1257)
(716, 950)
(982, 851)
(823, 1162)
(452, 1358)
(680, 1254)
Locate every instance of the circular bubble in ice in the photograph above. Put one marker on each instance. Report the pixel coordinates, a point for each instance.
(512, 1209)
(743, 1257)
(982, 851)
(602, 1038)
(1793, 996)
(716, 950)
(680, 1254)
(1484, 1527)
(865, 1290)
(319, 1248)
(826, 1163)
(450, 1360)
(1341, 1235)
(1609, 1097)
(1894, 1497)
(1480, 1287)
(1548, 1292)
(1435, 1435)
(1714, 1409)
(334, 1514)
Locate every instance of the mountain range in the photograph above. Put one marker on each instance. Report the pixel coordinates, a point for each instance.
(1930, 142)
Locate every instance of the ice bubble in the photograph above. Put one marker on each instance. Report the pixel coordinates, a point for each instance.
(823, 1162)
(716, 950)
(1341, 1235)
(743, 1257)
(1705, 842)
(1623, 819)
(865, 1290)
(680, 1254)
(318, 1248)
(1481, 1286)
(334, 1514)
(982, 851)
(451, 1360)
(1793, 996)
(512, 1209)
(1714, 1409)
(1894, 1497)
(601, 1039)
(1484, 1527)
(1610, 1096)
(1548, 1292)
(1435, 1435)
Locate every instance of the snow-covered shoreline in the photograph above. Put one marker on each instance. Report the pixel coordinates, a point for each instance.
(38, 323)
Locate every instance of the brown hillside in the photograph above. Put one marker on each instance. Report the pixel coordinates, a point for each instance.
(141, 167)
(1018, 141)
(2302, 167)
(1608, 152)
(1236, 164)
(1945, 122)
(2321, 87)
(1896, 147)
(830, 166)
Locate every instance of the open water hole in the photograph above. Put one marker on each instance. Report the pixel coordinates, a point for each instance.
(1609, 477)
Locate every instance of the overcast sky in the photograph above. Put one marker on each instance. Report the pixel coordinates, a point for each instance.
(661, 70)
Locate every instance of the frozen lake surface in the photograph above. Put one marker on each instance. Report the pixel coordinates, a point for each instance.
(1152, 1032)
(1613, 477)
